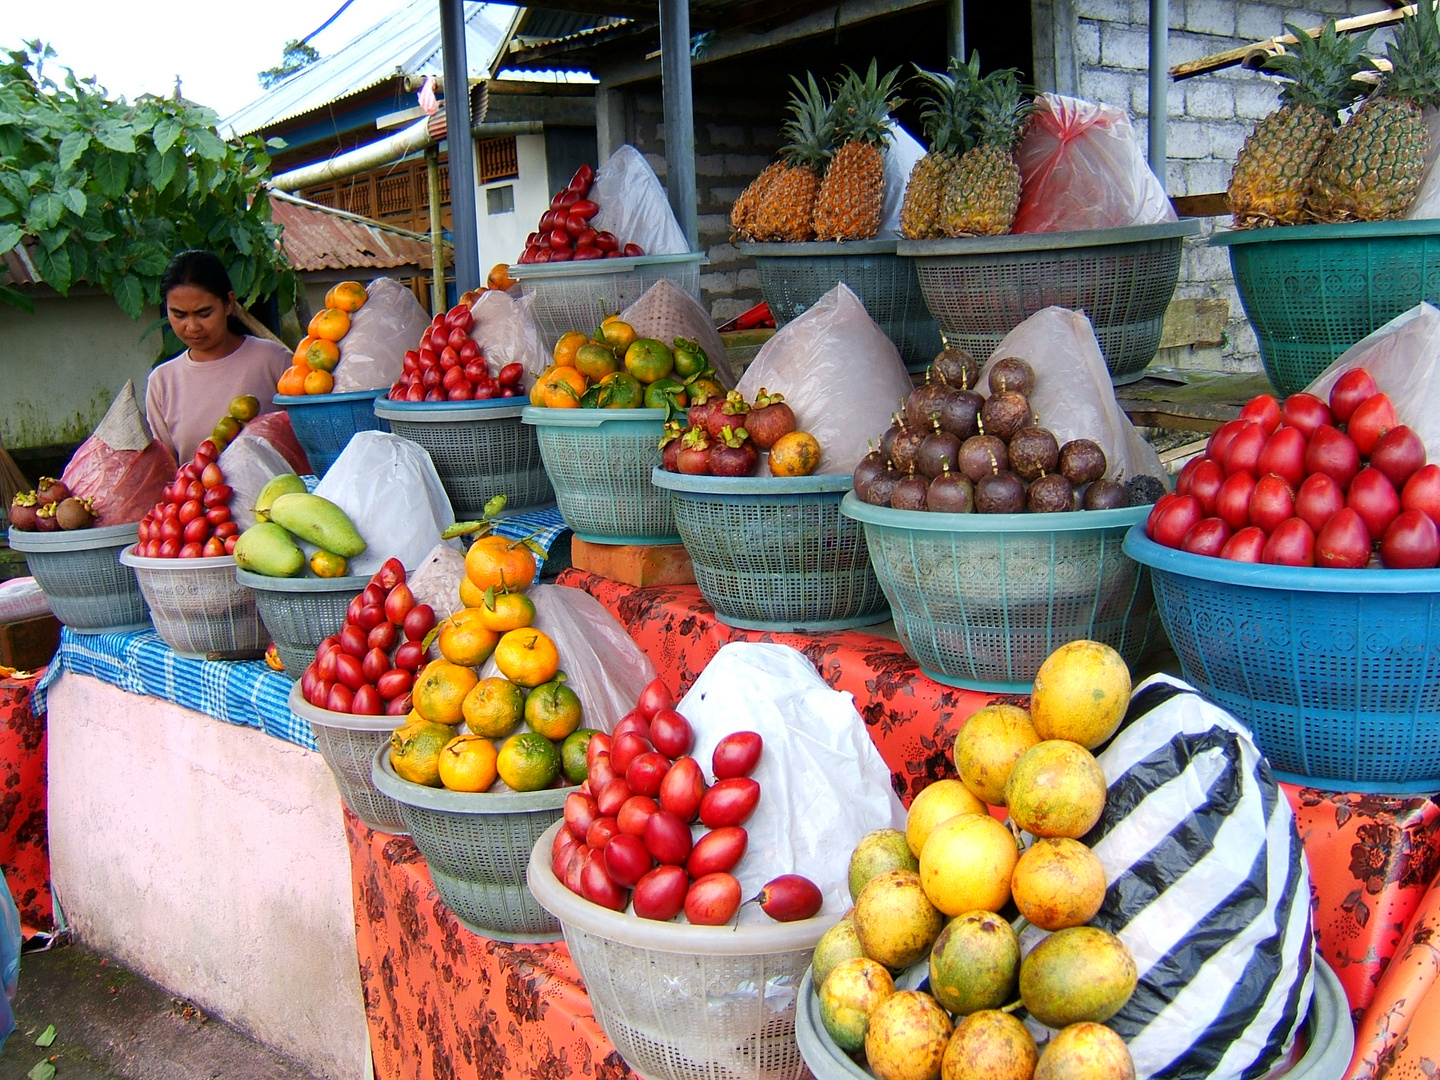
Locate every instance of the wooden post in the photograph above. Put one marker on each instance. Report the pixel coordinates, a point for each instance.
(437, 232)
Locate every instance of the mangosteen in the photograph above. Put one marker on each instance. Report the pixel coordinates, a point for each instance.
(887, 440)
(693, 458)
(961, 412)
(1105, 495)
(732, 413)
(938, 449)
(770, 419)
(956, 368)
(880, 489)
(924, 404)
(1050, 494)
(670, 443)
(1081, 462)
(1012, 373)
(1144, 490)
(1005, 413)
(50, 491)
(45, 518)
(999, 492)
(1034, 451)
(22, 511)
(73, 513)
(734, 454)
(871, 466)
(950, 493)
(905, 450)
(981, 455)
(909, 494)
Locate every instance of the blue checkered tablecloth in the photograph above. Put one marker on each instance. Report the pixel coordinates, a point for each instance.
(238, 692)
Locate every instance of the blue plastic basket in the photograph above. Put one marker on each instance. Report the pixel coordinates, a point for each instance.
(980, 600)
(324, 423)
(1337, 672)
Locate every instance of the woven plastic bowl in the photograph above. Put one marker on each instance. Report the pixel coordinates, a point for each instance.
(1335, 671)
(578, 295)
(775, 553)
(198, 607)
(477, 847)
(795, 276)
(686, 1002)
(980, 289)
(80, 573)
(980, 600)
(299, 613)
(324, 423)
(480, 450)
(1312, 291)
(349, 744)
(599, 462)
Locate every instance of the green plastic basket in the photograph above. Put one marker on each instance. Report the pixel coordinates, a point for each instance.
(775, 553)
(795, 276)
(980, 600)
(1312, 291)
(599, 461)
(301, 612)
(348, 743)
(83, 580)
(979, 289)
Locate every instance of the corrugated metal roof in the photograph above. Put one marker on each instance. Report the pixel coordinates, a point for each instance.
(321, 238)
(406, 42)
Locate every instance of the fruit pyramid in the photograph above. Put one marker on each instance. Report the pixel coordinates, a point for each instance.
(852, 193)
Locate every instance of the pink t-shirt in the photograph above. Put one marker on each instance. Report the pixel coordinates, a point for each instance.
(185, 398)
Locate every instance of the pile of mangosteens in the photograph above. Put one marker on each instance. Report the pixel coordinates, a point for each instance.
(50, 507)
(724, 436)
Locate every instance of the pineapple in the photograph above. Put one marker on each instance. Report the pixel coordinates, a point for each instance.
(1272, 174)
(852, 195)
(1373, 165)
(947, 119)
(747, 207)
(983, 192)
(785, 207)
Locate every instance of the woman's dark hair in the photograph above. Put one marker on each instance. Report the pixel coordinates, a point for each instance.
(204, 270)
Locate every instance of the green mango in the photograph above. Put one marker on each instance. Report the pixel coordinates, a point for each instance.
(318, 521)
(284, 484)
(267, 549)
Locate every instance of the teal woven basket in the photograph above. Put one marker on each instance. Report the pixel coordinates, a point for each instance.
(1312, 291)
(980, 600)
(775, 553)
(599, 462)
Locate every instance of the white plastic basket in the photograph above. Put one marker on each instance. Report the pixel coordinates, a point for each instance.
(198, 607)
(683, 1002)
(348, 744)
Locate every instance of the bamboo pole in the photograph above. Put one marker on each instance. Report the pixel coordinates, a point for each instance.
(437, 233)
(1248, 53)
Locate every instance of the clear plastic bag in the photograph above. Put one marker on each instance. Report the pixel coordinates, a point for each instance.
(436, 581)
(1081, 167)
(839, 373)
(389, 489)
(21, 599)
(1427, 199)
(506, 333)
(900, 157)
(633, 205)
(823, 785)
(665, 311)
(249, 463)
(276, 429)
(1073, 394)
(122, 467)
(1401, 358)
(390, 321)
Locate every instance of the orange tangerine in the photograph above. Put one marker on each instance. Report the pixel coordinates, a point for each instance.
(567, 346)
(292, 383)
(301, 349)
(347, 296)
(322, 355)
(470, 596)
(501, 563)
(562, 388)
(328, 564)
(552, 709)
(527, 657)
(506, 611)
(493, 707)
(468, 763)
(618, 335)
(329, 323)
(499, 277)
(528, 762)
(537, 390)
(439, 692)
(466, 642)
(319, 382)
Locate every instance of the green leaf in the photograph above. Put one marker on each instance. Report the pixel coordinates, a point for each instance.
(44, 211)
(150, 261)
(54, 268)
(276, 144)
(47, 1036)
(42, 1071)
(129, 295)
(207, 144)
(17, 187)
(72, 146)
(116, 135)
(16, 299)
(79, 262)
(161, 166)
(167, 130)
(8, 207)
(112, 172)
(10, 236)
(74, 198)
(495, 505)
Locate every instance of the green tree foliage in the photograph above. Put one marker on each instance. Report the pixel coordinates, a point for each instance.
(296, 55)
(105, 191)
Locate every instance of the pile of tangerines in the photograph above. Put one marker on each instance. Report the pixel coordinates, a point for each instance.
(319, 351)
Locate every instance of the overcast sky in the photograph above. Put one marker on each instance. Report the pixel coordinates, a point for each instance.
(216, 47)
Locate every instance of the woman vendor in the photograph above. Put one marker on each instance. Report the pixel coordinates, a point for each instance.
(186, 396)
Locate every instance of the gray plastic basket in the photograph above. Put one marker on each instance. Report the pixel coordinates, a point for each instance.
(81, 576)
(479, 451)
(477, 846)
(982, 288)
(198, 607)
(775, 553)
(980, 600)
(600, 461)
(577, 296)
(794, 276)
(300, 613)
(348, 744)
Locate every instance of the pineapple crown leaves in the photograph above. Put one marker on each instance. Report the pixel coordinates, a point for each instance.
(863, 105)
(1320, 71)
(948, 106)
(1001, 108)
(1414, 57)
(810, 132)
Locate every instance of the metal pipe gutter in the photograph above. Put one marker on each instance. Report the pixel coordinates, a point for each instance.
(464, 218)
(1159, 103)
(403, 143)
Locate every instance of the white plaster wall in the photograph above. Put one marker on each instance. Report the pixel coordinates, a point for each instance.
(502, 236)
(212, 859)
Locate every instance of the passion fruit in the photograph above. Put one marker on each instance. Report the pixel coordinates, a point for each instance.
(939, 448)
(909, 494)
(925, 403)
(905, 450)
(881, 489)
(961, 413)
(1000, 492)
(871, 466)
(1050, 494)
(1034, 451)
(1081, 462)
(1105, 495)
(956, 368)
(1005, 413)
(950, 493)
(1012, 373)
(981, 455)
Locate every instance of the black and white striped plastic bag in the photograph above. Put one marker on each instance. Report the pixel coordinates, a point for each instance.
(1209, 889)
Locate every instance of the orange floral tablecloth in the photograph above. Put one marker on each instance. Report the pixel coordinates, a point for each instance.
(24, 839)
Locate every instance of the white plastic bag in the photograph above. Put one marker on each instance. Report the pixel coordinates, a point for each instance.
(665, 311)
(604, 667)
(1081, 167)
(390, 321)
(506, 333)
(900, 157)
(436, 581)
(389, 489)
(249, 463)
(1073, 394)
(633, 205)
(823, 785)
(1427, 199)
(1401, 357)
(21, 599)
(840, 374)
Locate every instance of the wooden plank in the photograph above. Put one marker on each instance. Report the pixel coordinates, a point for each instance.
(1215, 204)
(1232, 57)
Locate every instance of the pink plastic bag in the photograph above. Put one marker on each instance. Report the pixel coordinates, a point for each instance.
(1081, 167)
(276, 429)
(123, 483)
